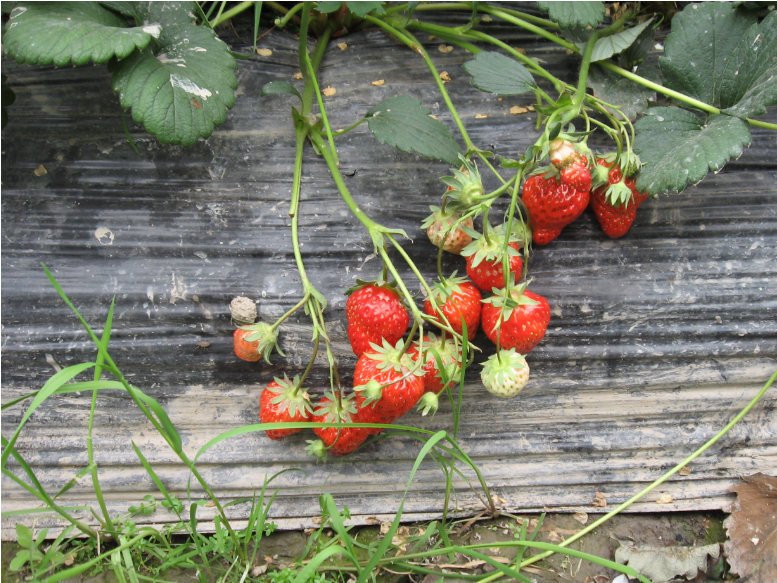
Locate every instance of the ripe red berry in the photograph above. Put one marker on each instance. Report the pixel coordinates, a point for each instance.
(459, 300)
(615, 204)
(484, 257)
(388, 384)
(254, 341)
(337, 440)
(375, 312)
(284, 401)
(439, 225)
(552, 205)
(521, 326)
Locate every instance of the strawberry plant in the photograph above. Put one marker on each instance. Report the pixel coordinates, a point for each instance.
(665, 126)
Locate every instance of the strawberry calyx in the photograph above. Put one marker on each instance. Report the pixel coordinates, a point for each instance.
(490, 249)
(437, 351)
(619, 194)
(290, 396)
(600, 175)
(392, 357)
(372, 392)
(266, 338)
(428, 403)
(444, 289)
(317, 448)
(336, 410)
(511, 298)
(389, 285)
(465, 187)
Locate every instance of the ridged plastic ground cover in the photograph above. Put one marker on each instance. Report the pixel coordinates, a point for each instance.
(656, 340)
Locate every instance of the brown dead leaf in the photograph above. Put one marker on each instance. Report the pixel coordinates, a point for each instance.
(445, 77)
(473, 564)
(379, 82)
(316, 520)
(599, 500)
(481, 115)
(518, 109)
(581, 517)
(69, 560)
(342, 46)
(432, 37)
(210, 504)
(520, 50)
(554, 537)
(258, 570)
(297, 75)
(486, 18)
(752, 529)
(264, 52)
(662, 564)
(40, 171)
(432, 116)
(685, 471)
(445, 48)
(371, 520)
(385, 527)
(329, 91)
(664, 499)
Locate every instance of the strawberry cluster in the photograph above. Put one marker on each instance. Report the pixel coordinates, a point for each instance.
(557, 196)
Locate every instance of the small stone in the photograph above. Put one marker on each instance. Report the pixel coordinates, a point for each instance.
(342, 46)
(329, 91)
(379, 82)
(264, 52)
(243, 310)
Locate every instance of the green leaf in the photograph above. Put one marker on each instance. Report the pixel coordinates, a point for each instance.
(640, 48)
(403, 122)
(608, 46)
(328, 7)
(677, 147)
(23, 535)
(363, 8)
(632, 98)
(275, 87)
(181, 91)
(704, 52)
(165, 13)
(19, 560)
(496, 73)
(754, 88)
(574, 14)
(63, 32)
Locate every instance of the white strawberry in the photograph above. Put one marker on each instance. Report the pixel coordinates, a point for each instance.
(505, 373)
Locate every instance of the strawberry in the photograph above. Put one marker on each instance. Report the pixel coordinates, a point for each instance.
(484, 258)
(375, 312)
(387, 383)
(256, 340)
(438, 227)
(458, 299)
(577, 175)
(450, 356)
(284, 401)
(516, 318)
(552, 205)
(505, 373)
(337, 440)
(615, 203)
(464, 187)
(564, 153)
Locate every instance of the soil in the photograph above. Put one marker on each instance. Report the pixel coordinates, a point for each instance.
(679, 529)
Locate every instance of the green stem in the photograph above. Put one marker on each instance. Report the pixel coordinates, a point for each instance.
(412, 43)
(242, 7)
(499, 13)
(281, 22)
(349, 128)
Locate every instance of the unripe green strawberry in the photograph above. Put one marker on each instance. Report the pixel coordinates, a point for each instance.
(505, 373)
(464, 187)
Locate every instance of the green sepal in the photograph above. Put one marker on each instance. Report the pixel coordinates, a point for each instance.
(618, 194)
(428, 403)
(267, 338)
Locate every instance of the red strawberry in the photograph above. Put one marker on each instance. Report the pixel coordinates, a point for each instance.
(552, 205)
(564, 153)
(484, 258)
(438, 228)
(615, 203)
(374, 312)
(388, 384)
(516, 317)
(459, 299)
(284, 401)
(577, 175)
(337, 440)
(450, 356)
(254, 341)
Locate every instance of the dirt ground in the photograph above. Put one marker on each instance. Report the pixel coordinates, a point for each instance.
(681, 529)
